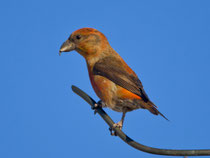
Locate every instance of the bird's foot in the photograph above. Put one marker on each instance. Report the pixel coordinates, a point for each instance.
(116, 125)
(112, 132)
(94, 107)
(98, 104)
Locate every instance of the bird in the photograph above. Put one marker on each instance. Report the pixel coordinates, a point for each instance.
(114, 82)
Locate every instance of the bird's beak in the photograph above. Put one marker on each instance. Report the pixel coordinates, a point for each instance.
(67, 47)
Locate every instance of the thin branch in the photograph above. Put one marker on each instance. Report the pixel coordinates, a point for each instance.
(130, 141)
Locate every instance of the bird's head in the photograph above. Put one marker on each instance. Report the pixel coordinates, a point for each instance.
(86, 41)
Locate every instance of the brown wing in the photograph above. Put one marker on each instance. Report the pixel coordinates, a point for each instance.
(113, 69)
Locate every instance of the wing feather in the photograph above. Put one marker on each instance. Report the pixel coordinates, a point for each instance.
(112, 68)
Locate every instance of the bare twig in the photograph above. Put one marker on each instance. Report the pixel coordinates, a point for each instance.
(130, 141)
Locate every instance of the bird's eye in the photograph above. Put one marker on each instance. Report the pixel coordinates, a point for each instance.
(78, 37)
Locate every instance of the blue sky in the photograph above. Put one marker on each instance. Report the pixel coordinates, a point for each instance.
(165, 42)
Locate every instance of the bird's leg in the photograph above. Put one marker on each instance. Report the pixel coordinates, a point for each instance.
(119, 124)
(100, 104)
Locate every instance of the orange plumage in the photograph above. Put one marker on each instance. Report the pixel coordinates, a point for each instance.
(115, 83)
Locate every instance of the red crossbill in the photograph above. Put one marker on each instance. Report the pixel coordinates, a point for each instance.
(114, 82)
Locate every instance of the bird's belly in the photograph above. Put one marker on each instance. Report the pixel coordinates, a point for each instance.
(128, 104)
(105, 90)
(114, 96)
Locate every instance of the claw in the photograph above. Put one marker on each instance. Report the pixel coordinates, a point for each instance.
(112, 132)
(95, 112)
(94, 107)
(98, 104)
(116, 125)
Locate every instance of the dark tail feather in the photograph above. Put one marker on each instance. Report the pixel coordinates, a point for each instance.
(155, 111)
(162, 115)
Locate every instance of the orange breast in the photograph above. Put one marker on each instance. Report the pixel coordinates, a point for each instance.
(102, 87)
